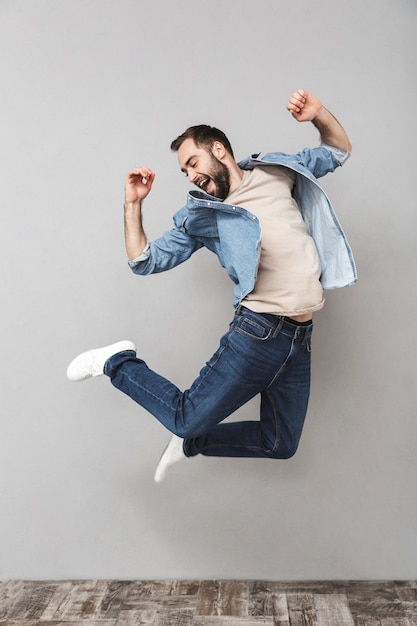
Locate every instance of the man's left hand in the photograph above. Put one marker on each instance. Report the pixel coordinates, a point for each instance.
(303, 106)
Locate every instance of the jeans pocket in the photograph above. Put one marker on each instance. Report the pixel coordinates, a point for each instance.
(254, 329)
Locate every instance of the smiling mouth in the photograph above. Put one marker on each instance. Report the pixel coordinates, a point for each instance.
(203, 184)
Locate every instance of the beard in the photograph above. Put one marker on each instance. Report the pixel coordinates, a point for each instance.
(220, 176)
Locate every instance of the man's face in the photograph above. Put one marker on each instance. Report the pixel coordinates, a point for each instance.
(204, 169)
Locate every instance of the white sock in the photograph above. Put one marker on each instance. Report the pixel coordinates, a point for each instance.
(172, 454)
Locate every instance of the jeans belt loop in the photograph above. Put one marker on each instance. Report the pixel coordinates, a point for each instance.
(306, 335)
(278, 326)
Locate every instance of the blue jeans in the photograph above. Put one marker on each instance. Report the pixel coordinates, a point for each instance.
(260, 354)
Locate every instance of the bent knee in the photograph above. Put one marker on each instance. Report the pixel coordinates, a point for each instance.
(284, 452)
(187, 431)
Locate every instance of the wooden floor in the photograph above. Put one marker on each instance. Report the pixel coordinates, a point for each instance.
(208, 603)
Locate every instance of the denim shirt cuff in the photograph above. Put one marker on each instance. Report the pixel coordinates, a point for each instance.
(341, 155)
(144, 256)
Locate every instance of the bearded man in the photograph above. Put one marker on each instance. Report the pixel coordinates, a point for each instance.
(276, 234)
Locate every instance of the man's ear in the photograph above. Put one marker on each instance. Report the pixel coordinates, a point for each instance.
(218, 150)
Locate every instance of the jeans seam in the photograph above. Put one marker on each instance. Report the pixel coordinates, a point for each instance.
(245, 334)
(276, 422)
(146, 390)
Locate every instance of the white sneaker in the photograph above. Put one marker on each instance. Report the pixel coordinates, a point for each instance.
(91, 363)
(173, 453)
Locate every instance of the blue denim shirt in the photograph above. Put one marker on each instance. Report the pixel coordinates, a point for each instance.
(234, 234)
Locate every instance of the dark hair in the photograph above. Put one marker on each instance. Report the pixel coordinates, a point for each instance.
(203, 136)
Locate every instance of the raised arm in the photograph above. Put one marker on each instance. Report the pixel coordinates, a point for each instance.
(138, 185)
(304, 107)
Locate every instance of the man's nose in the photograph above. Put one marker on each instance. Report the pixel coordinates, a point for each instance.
(192, 176)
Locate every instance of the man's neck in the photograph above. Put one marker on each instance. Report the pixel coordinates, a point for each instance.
(236, 175)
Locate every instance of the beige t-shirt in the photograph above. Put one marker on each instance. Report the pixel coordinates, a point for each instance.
(289, 269)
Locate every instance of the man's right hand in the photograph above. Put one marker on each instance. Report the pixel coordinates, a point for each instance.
(138, 184)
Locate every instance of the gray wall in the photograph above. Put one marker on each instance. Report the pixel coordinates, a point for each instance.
(91, 88)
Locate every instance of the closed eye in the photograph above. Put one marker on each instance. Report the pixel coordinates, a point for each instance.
(189, 163)
(193, 166)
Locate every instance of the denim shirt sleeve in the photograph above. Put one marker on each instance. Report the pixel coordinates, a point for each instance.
(318, 161)
(142, 257)
(162, 254)
(341, 155)
(322, 159)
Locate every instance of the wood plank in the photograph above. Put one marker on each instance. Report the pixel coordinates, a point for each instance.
(225, 597)
(114, 599)
(10, 594)
(233, 598)
(280, 609)
(406, 591)
(207, 598)
(175, 588)
(301, 609)
(264, 601)
(26, 599)
(373, 599)
(368, 621)
(229, 620)
(380, 608)
(181, 617)
(36, 622)
(135, 593)
(76, 599)
(179, 597)
(137, 617)
(60, 594)
(394, 621)
(332, 609)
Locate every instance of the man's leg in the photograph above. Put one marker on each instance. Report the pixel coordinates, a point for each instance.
(256, 355)
(241, 367)
(259, 353)
(282, 413)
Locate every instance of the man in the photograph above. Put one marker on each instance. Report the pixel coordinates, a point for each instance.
(275, 232)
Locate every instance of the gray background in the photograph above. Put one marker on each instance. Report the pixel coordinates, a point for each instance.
(91, 88)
